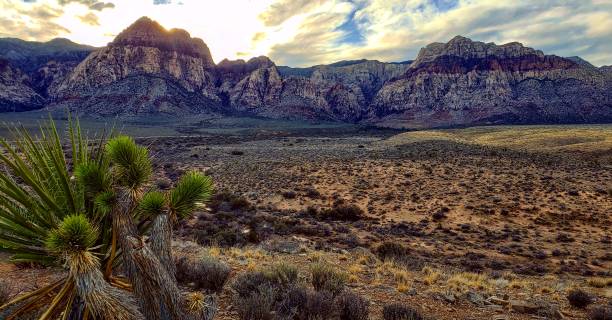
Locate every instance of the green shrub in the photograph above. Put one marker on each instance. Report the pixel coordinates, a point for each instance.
(257, 305)
(579, 298)
(282, 274)
(344, 212)
(289, 195)
(249, 283)
(300, 303)
(390, 250)
(326, 277)
(279, 277)
(396, 311)
(352, 306)
(601, 313)
(207, 273)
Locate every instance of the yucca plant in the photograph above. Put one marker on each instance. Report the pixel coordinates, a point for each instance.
(85, 206)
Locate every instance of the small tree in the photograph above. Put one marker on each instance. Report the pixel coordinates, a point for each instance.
(90, 212)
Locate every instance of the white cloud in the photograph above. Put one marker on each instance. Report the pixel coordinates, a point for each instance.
(395, 30)
(306, 32)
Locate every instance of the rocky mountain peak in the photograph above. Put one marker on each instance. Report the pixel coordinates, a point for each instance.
(149, 33)
(241, 67)
(260, 62)
(581, 62)
(64, 43)
(466, 48)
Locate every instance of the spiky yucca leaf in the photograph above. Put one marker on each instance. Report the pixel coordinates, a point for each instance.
(75, 233)
(93, 177)
(104, 202)
(36, 189)
(132, 163)
(192, 189)
(152, 203)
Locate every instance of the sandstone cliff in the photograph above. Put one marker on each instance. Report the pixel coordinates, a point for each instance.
(15, 91)
(145, 69)
(468, 82)
(340, 91)
(34, 68)
(150, 70)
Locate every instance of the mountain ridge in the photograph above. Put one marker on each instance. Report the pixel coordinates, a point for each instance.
(148, 69)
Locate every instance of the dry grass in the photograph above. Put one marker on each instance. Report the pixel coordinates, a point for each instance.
(431, 276)
(599, 282)
(467, 281)
(534, 138)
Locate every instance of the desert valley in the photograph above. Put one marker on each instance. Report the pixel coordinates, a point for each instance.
(472, 182)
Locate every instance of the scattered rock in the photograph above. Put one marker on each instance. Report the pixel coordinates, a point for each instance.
(475, 298)
(282, 246)
(523, 307)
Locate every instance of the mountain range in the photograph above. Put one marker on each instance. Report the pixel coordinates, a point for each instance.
(147, 69)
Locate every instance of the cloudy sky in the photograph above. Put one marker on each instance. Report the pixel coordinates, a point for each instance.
(308, 32)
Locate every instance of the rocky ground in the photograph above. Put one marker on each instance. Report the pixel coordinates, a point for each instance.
(488, 232)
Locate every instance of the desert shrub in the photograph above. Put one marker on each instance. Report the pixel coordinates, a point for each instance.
(183, 269)
(352, 306)
(344, 212)
(319, 306)
(390, 250)
(579, 298)
(440, 214)
(257, 305)
(317, 230)
(279, 278)
(300, 303)
(207, 273)
(294, 302)
(228, 200)
(228, 237)
(563, 237)
(237, 152)
(211, 274)
(282, 275)
(396, 311)
(313, 193)
(289, 195)
(326, 277)
(601, 313)
(249, 282)
(240, 203)
(4, 292)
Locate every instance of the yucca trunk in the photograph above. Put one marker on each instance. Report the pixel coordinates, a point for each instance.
(162, 293)
(102, 300)
(161, 242)
(155, 289)
(124, 227)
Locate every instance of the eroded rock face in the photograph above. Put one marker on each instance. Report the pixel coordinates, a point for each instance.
(15, 91)
(34, 68)
(468, 82)
(333, 92)
(48, 77)
(150, 70)
(159, 68)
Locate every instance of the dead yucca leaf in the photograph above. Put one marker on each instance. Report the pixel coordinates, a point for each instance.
(200, 307)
